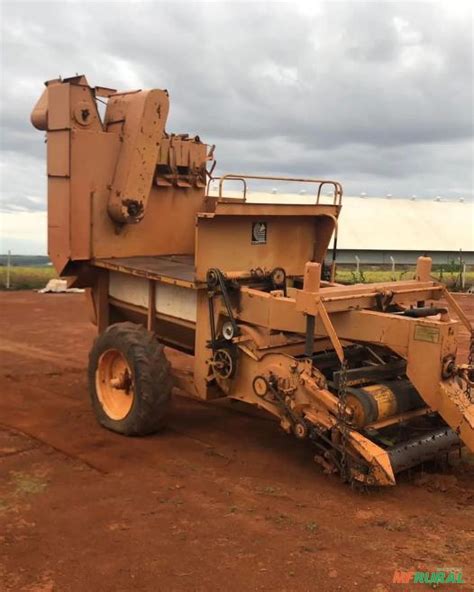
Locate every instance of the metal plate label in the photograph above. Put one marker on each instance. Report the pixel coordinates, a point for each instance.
(426, 333)
(259, 233)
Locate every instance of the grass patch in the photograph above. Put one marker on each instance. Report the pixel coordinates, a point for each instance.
(373, 275)
(280, 519)
(35, 277)
(347, 276)
(27, 278)
(27, 484)
(311, 527)
(269, 490)
(18, 490)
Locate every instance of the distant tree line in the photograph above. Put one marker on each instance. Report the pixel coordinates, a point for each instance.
(25, 260)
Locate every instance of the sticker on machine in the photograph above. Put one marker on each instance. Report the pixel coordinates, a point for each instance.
(426, 333)
(259, 233)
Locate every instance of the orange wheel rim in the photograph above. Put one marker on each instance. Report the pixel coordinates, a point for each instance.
(114, 384)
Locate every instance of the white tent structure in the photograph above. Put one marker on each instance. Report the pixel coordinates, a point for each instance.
(377, 229)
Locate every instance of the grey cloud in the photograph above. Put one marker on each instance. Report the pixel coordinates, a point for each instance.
(22, 203)
(378, 95)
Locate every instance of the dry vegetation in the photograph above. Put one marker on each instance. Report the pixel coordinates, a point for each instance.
(27, 278)
(448, 276)
(34, 277)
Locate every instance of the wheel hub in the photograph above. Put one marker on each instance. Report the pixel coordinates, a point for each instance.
(114, 384)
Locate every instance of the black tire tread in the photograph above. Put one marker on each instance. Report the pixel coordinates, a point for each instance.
(151, 373)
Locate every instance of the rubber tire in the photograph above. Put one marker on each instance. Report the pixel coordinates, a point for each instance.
(151, 376)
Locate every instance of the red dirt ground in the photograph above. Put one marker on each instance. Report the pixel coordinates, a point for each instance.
(219, 501)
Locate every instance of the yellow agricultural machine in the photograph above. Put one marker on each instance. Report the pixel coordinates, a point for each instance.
(367, 374)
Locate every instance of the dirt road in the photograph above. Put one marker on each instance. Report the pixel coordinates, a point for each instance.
(219, 501)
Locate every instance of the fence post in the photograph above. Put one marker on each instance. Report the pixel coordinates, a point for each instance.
(392, 259)
(357, 263)
(8, 269)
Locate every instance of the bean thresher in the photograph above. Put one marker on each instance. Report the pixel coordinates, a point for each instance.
(365, 373)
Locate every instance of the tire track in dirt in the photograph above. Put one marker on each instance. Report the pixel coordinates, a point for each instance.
(56, 449)
(30, 351)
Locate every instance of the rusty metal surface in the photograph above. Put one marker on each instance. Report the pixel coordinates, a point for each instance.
(139, 119)
(423, 448)
(170, 268)
(225, 241)
(99, 166)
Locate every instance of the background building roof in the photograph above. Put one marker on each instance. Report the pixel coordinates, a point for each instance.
(393, 224)
(401, 224)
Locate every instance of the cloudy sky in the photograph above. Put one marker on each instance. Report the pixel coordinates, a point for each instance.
(376, 94)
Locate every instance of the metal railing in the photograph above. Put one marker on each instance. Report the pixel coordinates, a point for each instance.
(320, 183)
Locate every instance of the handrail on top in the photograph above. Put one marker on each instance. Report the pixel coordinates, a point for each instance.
(337, 196)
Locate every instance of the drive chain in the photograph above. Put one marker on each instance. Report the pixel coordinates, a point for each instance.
(342, 423)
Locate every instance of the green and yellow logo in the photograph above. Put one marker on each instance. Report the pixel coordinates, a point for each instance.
(451, 575)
